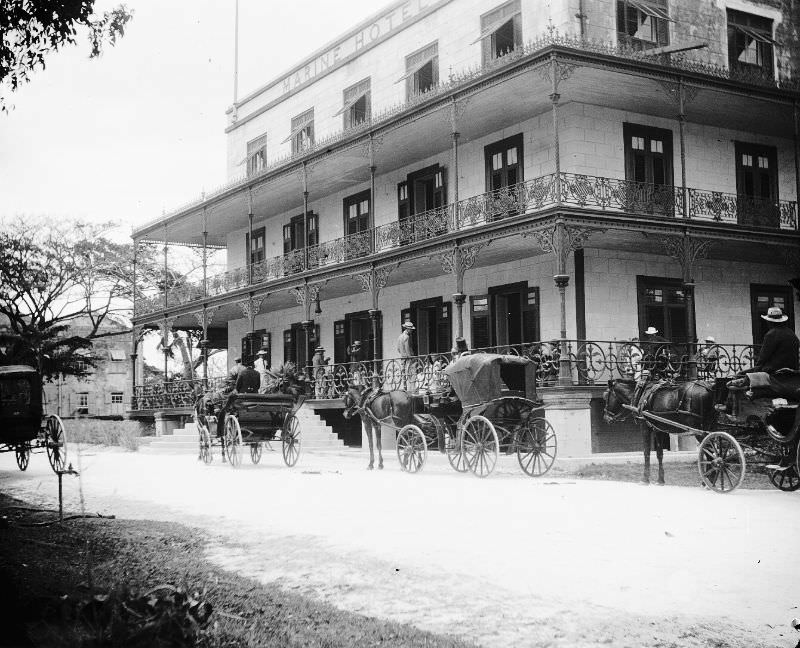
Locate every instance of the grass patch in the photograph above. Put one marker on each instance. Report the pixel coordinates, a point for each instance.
(676, 473)
(42, 567)
(102, 432)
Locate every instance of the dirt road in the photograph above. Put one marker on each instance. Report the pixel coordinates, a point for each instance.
(506, 561)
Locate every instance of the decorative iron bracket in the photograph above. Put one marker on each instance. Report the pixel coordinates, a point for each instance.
(561, 240)
(687, 251)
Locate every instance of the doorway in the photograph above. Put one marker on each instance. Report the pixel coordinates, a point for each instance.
(508, 315)
(433, 326)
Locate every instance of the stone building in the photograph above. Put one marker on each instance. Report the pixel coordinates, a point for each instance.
(546, 178)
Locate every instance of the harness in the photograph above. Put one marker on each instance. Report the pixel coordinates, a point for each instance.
(368, 396)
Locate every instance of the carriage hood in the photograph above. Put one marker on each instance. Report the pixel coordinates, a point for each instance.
(476, 378)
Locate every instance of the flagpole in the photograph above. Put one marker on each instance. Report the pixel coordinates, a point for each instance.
(236, 57)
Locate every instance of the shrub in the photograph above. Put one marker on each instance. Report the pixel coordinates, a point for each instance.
(100, 432)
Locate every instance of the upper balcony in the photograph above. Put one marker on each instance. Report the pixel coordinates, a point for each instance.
(608, 74)
(592, 195)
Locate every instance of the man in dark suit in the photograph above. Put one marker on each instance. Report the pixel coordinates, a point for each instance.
(248, 381)
(781, 347)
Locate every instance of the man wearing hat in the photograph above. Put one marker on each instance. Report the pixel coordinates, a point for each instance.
(780, 347)
(404, 349)
(709, 356)
(260, 365)
(356, 356)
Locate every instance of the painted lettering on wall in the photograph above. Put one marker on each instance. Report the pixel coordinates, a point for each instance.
(392, 20)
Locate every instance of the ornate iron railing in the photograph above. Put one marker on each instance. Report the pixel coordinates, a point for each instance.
(589, 362)
(585, 191)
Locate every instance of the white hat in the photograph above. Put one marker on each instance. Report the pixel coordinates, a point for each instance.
(710, 338)
(409, 326)
(775, 314)
(261, 352)
(651, 330)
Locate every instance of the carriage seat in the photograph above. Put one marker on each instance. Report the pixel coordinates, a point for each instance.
(434, 398)
(266, 399)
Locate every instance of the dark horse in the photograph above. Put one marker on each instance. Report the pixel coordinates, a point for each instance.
(387, 408)
(689, 403)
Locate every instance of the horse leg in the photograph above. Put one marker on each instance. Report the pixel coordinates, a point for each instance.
(368, 430)
(646, 436)
(660, 456)
(377, 429)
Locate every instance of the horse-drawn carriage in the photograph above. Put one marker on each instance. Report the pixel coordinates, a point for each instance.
(491, 409)
(252, 420)
(24, 428)
(755, 417)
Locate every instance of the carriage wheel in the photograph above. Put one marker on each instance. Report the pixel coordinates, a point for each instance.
(290, 440)
(55, 442)
(480, 445)
(721, 462)
(255, 452)
(23, 454)
(412, 449)
(205, 445)
(536, 447)
(233, 441)
(455, 450)
(785, 480)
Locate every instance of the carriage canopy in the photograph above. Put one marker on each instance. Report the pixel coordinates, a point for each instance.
(479, 378)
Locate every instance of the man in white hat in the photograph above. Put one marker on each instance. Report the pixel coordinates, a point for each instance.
(260, 365)
(781, 347)
(709, 357)
(404, 350)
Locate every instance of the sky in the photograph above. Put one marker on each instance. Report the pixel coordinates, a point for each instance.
(140, 130)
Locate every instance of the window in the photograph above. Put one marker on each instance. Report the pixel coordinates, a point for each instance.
(423, 191)
(750, 43)
(116, 398)
(294, 347)
(642, 24)
(295, 238)
(356, 108)
(757, 185)
(501, 31)
(648, 164)
(302, 133)
(422, 70)
(356, 225)
(117, 355)
(663, 304)
(257, 245)
(257, 155)
(433, 321)
(83, 404)
(508, 315)
(503, 161)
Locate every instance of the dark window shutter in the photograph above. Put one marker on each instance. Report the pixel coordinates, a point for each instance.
(402, 201)
(440, 187)
(340, 335)
(444, 328)
(245, 348)
(479, 314)
(248, 250)
(313, 228)
(530, 316)
(265, 342)
(289, 353)
(287, 238)
(379, 339)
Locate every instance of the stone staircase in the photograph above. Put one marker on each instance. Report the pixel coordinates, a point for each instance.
(314, 435)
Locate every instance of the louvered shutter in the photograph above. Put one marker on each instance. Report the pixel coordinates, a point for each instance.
(480, 320)
(340, 336)
(444, 328)
(530, 316)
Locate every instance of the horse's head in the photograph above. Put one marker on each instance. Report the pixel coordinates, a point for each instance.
(619, 393)
(352, 400)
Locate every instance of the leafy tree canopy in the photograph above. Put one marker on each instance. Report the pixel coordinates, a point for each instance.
(31, 30)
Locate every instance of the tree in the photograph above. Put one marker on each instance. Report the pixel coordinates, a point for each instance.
(31, 30)
(52, 274)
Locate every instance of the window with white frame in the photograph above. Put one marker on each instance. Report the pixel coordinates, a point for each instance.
(501, 31)
(356, 104)
(257, 155)
(83, 403)
(643, 24)
(422, 70)
(302, 133)
(750, 43)
(116, 398)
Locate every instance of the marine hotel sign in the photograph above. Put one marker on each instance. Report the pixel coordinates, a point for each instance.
(364, 37)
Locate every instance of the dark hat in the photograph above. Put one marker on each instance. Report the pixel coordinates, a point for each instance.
(237, 359)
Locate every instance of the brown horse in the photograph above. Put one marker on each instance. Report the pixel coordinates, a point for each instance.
(689, 403)
(386, 408)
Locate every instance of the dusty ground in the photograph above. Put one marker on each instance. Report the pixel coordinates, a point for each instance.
(506, 561)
